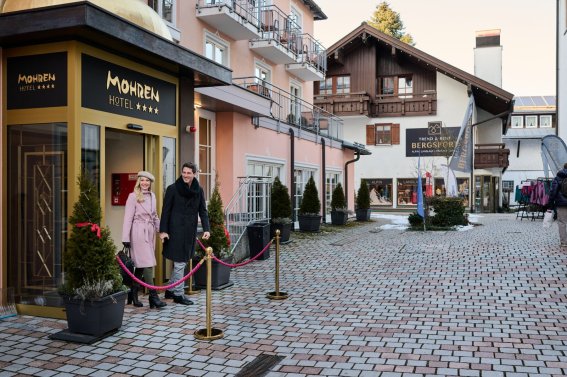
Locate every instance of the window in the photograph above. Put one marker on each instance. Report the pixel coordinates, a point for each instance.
(265, 169)
(335, 85)
(396, 85)
(294, 104)
(531, 121)
(383, 134)
(302, 175)
(380, 191)
(508, 186)
(297, 17)
(205, 156)
(165, 8)
(407, 191)
(331, 182)
(517, 121)
(263, 76)
(216, 49)
(544, 121)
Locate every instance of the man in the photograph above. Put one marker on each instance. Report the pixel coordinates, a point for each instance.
(184, 201)
(558, 201)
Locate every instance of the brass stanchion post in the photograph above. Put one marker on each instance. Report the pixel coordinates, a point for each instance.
(209, 333)
(277, 295)
(189, 290)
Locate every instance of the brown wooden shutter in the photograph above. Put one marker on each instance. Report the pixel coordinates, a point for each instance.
(395, 133)
(370, 134)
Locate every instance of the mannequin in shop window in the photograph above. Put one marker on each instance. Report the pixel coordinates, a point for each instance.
(141, 223)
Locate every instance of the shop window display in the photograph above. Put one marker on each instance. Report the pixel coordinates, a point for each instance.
(380, 191)
(407, 191)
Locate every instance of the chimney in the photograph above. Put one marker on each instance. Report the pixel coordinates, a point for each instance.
(488, 56)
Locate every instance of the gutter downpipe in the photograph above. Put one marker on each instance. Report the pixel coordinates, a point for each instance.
(292, 176)
(346, 174)
(323, 183)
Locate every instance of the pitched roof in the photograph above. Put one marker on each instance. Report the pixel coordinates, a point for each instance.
(487, 96)
(317, 12)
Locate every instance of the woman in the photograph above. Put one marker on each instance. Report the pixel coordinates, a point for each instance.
(141, 223)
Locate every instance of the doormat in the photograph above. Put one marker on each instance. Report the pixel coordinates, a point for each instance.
(72, 337)
(260, 366)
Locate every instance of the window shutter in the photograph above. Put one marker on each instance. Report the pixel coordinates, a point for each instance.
(370, 134)
(395, 133)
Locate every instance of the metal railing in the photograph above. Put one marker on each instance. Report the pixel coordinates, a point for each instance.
(243, 8)
(312, 52)
(250, 203)
(287, 108)
(275, 25)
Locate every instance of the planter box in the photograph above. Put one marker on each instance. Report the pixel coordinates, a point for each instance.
(339, 217)
(95, 317)
(285, 232)
(220, 278)
(309, 223)
(363, 214)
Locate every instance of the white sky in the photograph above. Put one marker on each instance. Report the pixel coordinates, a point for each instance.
(446, 30)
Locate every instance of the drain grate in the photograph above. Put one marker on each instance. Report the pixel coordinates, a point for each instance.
(260, 365)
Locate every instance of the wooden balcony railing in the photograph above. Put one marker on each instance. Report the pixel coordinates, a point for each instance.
(360, 103)
(491, 156)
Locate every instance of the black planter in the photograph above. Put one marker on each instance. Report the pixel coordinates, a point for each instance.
(258, 238)
(363, 214)
(95, 317)
(309, 223)
(285, 231)
(339, 217)
(220, 277)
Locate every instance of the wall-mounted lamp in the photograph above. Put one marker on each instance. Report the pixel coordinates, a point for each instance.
(256, 121)
(132, 126)
(197, 106)
(190, 129)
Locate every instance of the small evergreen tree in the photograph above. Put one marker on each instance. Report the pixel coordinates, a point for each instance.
(280, 203)
(90, 266)
(338, 201)
(389, 22)
(363, 196)
(310, 204)
(220, 239)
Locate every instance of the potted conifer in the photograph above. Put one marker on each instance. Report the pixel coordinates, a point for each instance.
(339, 212)
(280, 211)
(92, 291)
(309, 211)
(219, 241)
(363, 202)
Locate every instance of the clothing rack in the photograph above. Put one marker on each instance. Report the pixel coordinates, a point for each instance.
(533, 198)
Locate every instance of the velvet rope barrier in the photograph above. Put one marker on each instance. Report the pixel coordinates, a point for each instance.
(241, 263)
(163, 287)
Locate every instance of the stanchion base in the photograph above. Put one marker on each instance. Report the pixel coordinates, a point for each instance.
(194, 291)
(276, 296)
(201, 334)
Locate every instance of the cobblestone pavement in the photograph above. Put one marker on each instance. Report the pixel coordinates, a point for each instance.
(363, 301)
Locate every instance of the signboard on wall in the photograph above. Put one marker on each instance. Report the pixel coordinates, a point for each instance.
(37, 81)
(122, 185)
(114, 89)
(434, 140)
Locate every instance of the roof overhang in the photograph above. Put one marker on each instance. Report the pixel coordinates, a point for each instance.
(358, 148)
(232, 98)
(316, 10)
(91, 24)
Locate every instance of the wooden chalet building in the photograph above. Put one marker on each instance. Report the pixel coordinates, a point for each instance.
(402, 102)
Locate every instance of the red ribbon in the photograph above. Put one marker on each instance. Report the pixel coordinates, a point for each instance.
(94, 227)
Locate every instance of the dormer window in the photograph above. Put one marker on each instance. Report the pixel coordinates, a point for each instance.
(402, 86)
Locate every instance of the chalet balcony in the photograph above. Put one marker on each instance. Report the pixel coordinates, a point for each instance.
(280, 39)
(294, 111)
(311, 60)
(235, 18)
(491, 156)
(345, 104)
(417, 104)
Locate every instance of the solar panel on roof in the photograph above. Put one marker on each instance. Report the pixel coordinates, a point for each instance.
(539, 101)
(551, 100)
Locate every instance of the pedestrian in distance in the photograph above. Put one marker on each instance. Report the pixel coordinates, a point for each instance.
(183, 204)
(558, 201)
(141, 223)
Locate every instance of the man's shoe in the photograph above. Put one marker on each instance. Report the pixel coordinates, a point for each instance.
(182, 300)
(169, 294)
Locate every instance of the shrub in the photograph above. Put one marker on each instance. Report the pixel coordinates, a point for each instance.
(363, 196)
(448, 211)
(415, 220)
(338, 201)
(280, 203)
(310, 204)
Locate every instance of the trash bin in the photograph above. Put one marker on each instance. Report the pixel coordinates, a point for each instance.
(258, 238)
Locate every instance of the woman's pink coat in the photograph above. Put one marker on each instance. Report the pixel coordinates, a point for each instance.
(141, 223)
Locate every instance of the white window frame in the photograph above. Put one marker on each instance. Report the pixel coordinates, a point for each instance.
(261, 66)
(297, 16)
(216, 40)
(531, 117)
(517, 121)
(211, 117)
(265, 162)
(338, 175)
(306, 170)
(545, 121)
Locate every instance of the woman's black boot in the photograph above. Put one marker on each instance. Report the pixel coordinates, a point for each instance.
(154, 300)
(139, 273)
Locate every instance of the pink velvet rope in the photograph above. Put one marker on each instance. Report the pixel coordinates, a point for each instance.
(241, 263)
(159, 288)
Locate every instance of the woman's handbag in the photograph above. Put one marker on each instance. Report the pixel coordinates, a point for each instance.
(124, 256)
(548, 219)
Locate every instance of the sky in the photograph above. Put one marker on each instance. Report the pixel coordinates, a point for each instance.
(446, 30)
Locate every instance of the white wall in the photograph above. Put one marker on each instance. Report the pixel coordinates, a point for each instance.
(488, 64)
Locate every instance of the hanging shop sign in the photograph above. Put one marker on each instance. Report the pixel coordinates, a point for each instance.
(434, 140)
(37, 81)
(111, 88)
